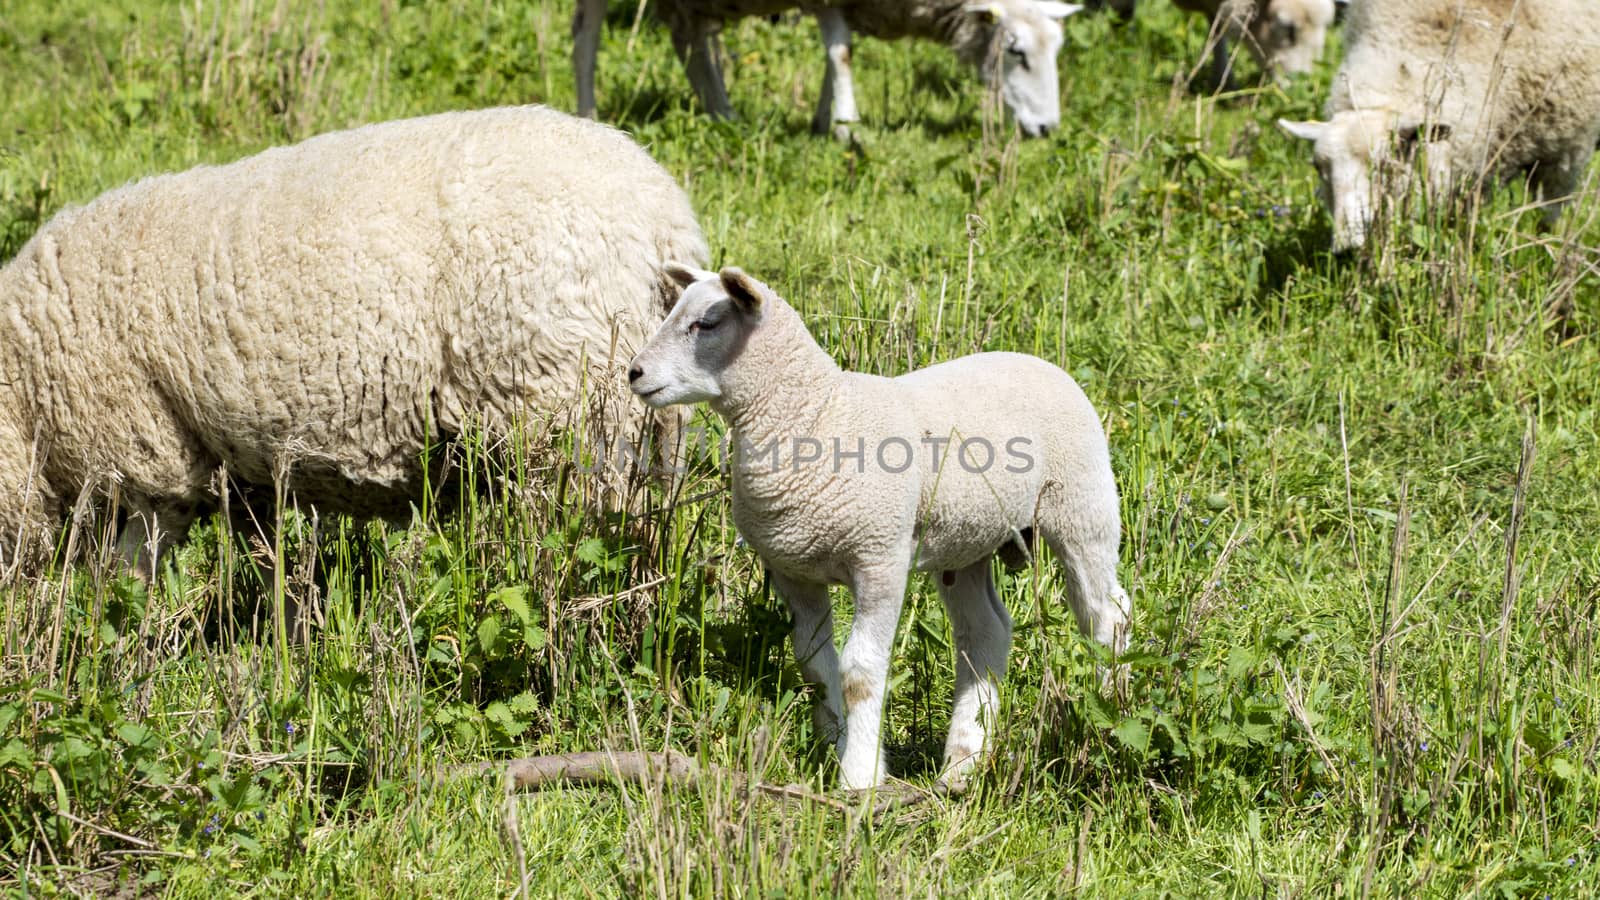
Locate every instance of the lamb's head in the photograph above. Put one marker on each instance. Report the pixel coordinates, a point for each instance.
(1021, 39)
(685, 360)
(1289, 34)
(1364, 157)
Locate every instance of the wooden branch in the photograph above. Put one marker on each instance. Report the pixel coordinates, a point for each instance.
(600, 768)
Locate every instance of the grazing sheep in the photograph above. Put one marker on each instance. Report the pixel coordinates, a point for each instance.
(1284, 36)
(1478, 88)
(1012, 42)
(846, 478)
(326, 310)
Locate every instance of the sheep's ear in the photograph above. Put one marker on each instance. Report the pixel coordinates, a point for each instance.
(1057, 10)
(1428, 133)
(991, 11)
(1308, 131)
(744, 290)
(686, 275)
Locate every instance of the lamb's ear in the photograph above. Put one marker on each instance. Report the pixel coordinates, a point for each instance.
(990, 11)
(1056, 10)
(685, 275)
(1308, 131)
(742, 289)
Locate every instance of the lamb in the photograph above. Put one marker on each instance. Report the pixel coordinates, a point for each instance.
(846, 478)
(1011, 42)
(1472, 88)
(326, 311)
(1284, 36)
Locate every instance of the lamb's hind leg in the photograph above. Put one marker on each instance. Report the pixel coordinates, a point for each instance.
(982, 629)
(1087, 549)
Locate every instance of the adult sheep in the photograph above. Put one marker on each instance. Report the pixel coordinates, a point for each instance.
(324, 311)
(847, 478)
(1475, 88)
(1012, 43)
(1284, 36)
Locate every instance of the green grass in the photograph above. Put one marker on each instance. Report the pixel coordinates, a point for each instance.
(1362, 665)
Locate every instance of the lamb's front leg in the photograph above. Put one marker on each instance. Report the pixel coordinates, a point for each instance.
(837, 103)
(813, 648)
(879, 592)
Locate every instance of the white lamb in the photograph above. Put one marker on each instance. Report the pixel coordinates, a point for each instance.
(852, 479)
(330, 308)
(1013, 43)
(1284, 36)
(1478, 88)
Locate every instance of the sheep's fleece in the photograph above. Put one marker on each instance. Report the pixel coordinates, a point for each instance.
(849, 478)
(1493, 87)
(328, 309)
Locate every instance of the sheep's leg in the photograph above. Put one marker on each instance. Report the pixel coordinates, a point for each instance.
(813, 648)
(1099, 604)
(586, 23)
(27, 518)
(1557, 181)
(838, 101)
(149, 532)
(864, 672)
(697, 50)
(982, 628)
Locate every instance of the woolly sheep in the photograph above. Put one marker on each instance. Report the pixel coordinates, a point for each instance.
(1284, 36)
(847, 478)
(1016, 40)
(328, 310)
(1479, 87)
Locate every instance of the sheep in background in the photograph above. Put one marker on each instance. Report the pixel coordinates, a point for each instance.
(329, 310)
(846, 478)
(1284, 36)
(1476, 88)
(1013, 43)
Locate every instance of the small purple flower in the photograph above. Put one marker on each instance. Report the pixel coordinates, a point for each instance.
(1572, 860)
(1423, 746)
(288, 727)
(1316, 795)
(1558, 702)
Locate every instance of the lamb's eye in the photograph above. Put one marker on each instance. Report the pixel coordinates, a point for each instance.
(1018, 54)
(702, 325)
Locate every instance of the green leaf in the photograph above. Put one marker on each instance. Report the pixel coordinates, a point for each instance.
(1133, 734)
(515, 599)
(591, 551)
(488, 634)
(15, 752)
(1562, 768)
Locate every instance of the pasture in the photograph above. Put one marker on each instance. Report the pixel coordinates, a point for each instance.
(1361, 502)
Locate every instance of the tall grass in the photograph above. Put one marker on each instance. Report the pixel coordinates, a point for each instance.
(1359, 496)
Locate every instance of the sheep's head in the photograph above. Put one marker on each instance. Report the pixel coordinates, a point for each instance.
(1024, 37)
(1363, 158)
(705, 332)
(1289, 34)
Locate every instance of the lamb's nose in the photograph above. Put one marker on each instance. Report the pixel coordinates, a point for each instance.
(634, 372)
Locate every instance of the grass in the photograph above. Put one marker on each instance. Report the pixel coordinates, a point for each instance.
(1360, 501)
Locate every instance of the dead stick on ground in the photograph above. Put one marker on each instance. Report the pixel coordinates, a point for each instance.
(598, 768)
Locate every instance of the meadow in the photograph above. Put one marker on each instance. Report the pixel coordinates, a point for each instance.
(1361, 501)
